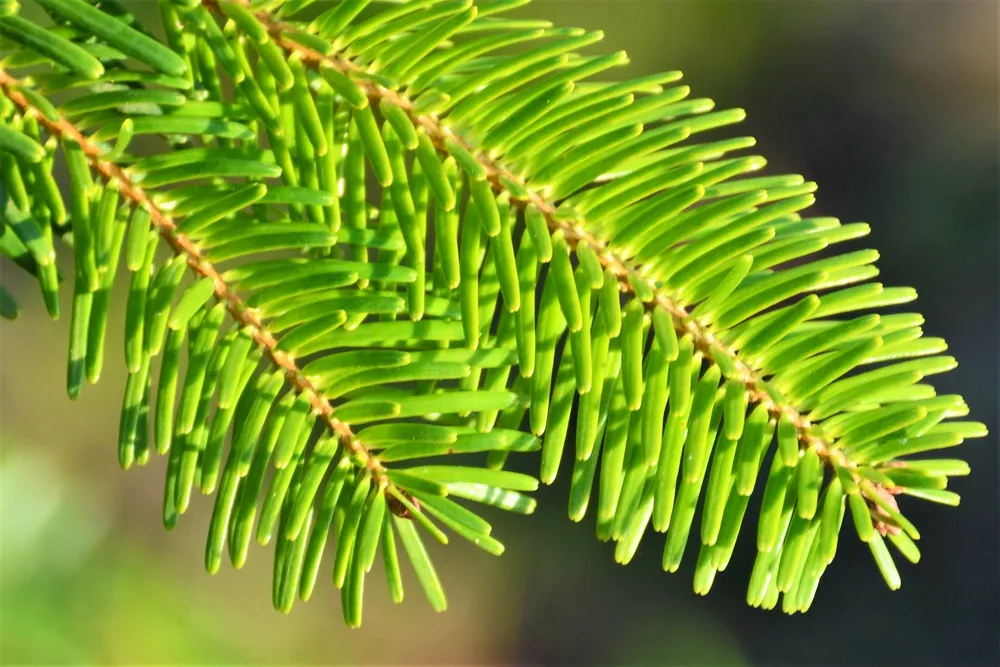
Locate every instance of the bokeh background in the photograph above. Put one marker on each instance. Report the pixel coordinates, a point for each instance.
(891, 106)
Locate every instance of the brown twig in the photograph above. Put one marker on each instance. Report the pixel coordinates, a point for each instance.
(245, 316)
(573, 231)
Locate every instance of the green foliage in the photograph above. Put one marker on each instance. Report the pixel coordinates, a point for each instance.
(400, 251)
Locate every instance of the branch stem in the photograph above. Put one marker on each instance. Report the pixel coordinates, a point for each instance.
(244, 315)
(574, 232)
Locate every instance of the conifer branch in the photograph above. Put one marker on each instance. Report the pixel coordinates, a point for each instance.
(538, 246)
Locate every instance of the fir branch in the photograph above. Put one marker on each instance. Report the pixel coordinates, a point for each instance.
(678, 348)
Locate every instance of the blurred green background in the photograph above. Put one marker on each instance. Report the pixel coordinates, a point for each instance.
(891, 106)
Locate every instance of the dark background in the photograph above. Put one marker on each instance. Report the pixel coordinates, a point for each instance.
(891, 106)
